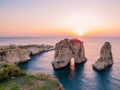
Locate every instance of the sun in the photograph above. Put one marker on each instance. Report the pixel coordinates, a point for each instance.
(79, 31)
(80, 34)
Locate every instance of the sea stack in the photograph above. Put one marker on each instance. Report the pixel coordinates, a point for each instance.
(67, 49)
(106, 58)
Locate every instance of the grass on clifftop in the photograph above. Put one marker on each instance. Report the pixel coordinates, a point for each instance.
(8, 70)
(12, 78)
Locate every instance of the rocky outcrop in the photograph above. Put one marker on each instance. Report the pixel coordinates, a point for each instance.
(15, 55)
(67, 49)
(34, 49)
(21, 53)
(106, 58)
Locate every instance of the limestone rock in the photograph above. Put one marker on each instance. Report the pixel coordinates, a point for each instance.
(106, 58)
(15, 55)
(21, 53)
(67, 49)
(35, 49)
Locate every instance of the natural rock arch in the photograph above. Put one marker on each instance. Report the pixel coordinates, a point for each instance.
(72, 61)
(67, 49)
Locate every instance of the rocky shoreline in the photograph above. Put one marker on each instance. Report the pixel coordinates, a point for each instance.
(12, 55)
(13, 78)
(21, 53)
(65, 50)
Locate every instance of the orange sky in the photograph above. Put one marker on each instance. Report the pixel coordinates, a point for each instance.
(103, 32)
(60, 18)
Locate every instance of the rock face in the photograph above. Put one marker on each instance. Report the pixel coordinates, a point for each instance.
(35, 49)
(17, 54)
(105, 59)
(67, 49)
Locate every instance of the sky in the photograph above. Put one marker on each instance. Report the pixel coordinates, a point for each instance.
(60, 18)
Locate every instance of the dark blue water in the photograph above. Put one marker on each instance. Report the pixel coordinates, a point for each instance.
(83, 77)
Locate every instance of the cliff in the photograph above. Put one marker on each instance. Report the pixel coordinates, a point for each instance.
(12, 78)
(21, 53)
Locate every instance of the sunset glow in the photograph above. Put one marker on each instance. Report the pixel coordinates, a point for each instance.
(59, 18)
(80, 31)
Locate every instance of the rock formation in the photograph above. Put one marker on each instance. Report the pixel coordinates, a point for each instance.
(67, 49)
(34, 49)
(105, 59)
(21, 53)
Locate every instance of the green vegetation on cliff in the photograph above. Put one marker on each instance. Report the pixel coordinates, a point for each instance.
(12, 78)
(8, 70)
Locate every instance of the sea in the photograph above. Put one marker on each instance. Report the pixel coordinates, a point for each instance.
(84, 77)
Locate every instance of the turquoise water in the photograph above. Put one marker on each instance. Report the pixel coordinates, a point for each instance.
(84, 77)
